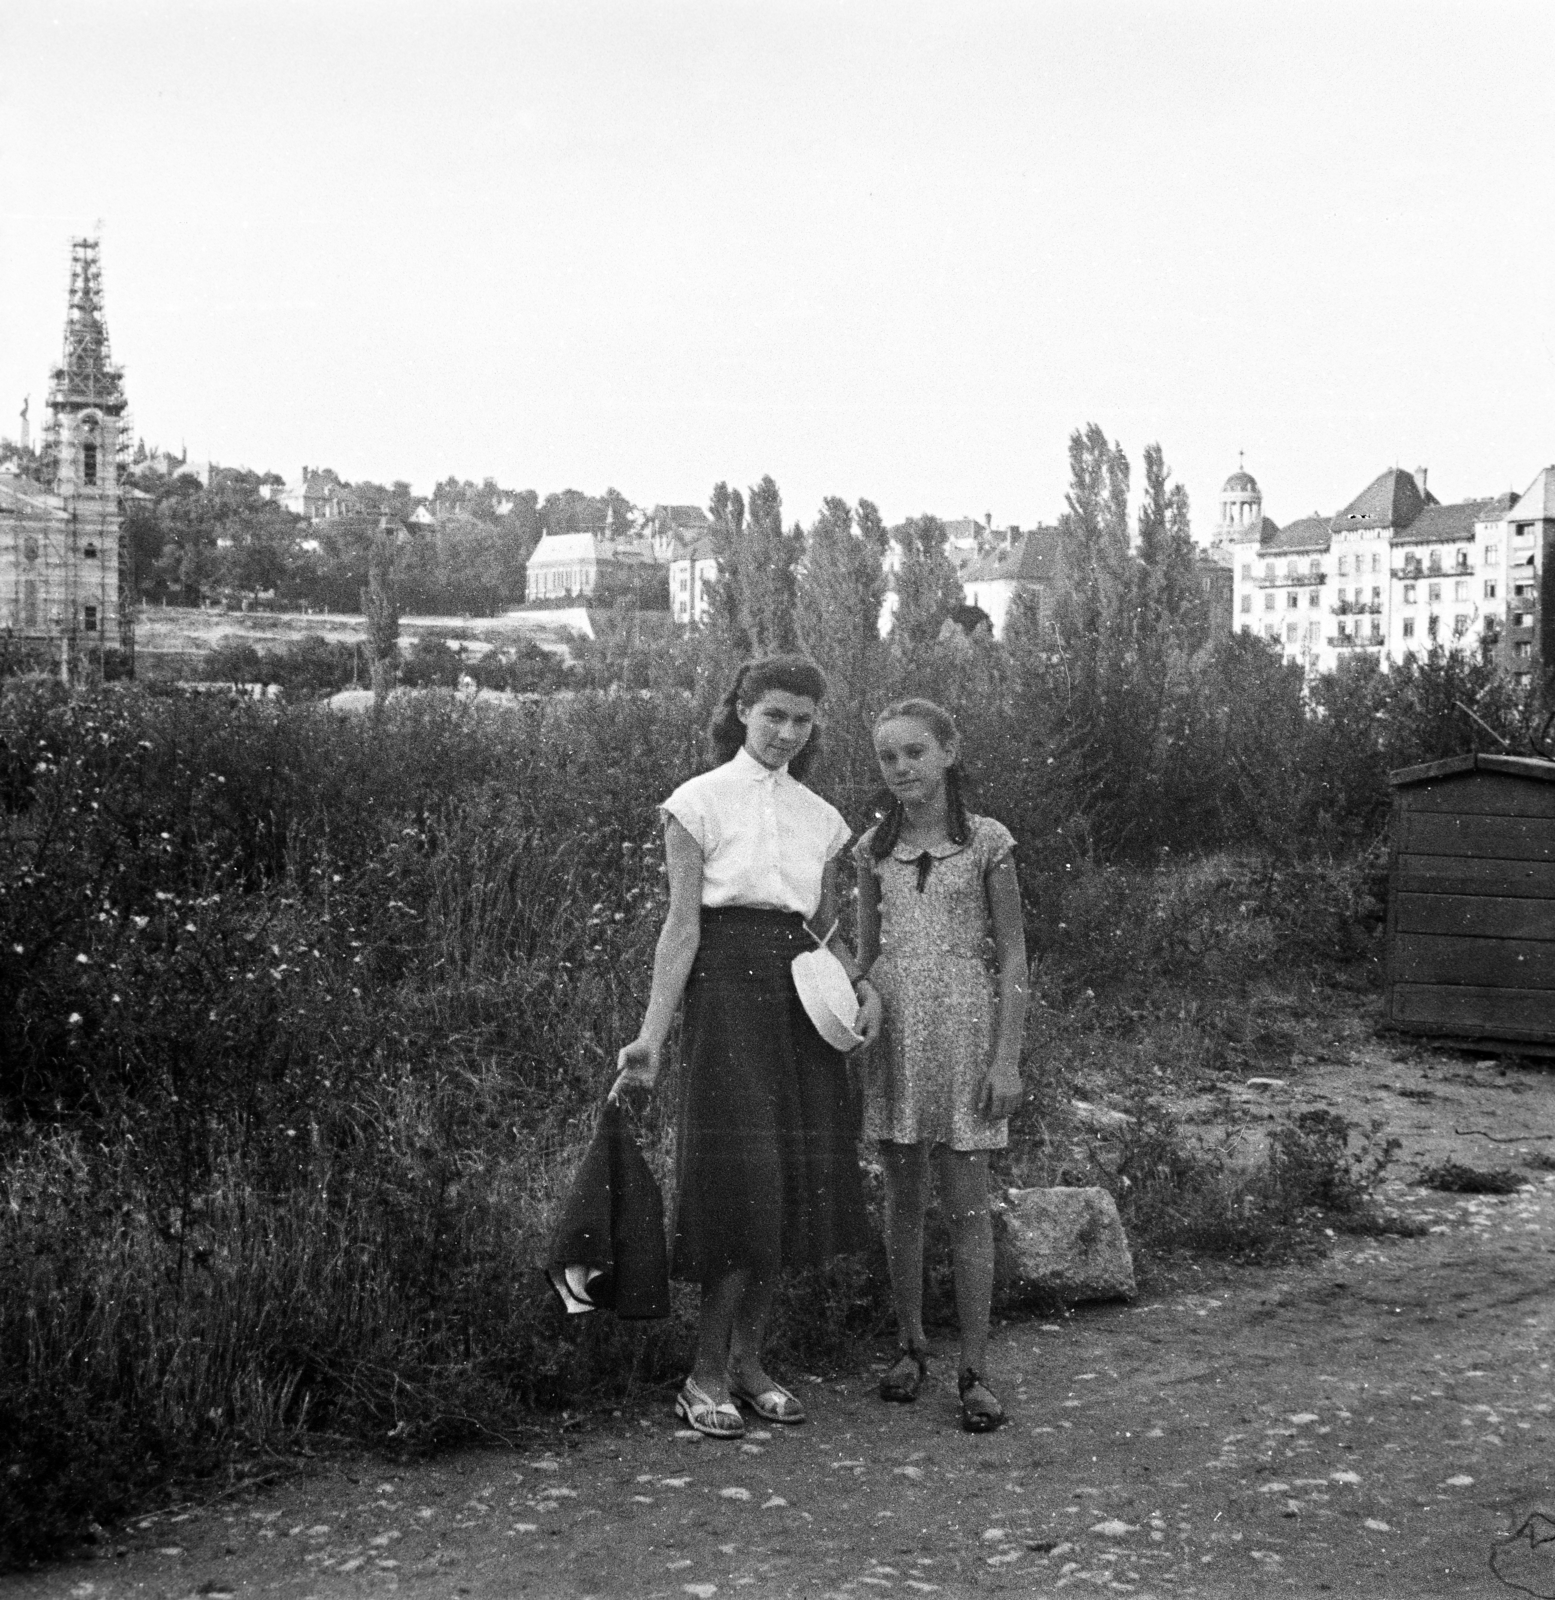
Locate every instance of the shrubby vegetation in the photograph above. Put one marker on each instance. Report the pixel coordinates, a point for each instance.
(309, 1016)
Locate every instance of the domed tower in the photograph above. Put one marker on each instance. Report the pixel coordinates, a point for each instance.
(1241, 508)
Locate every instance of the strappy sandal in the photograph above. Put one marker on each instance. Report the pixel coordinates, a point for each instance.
(772, 1404)
(978, 1416)
(718, 1419)
(902, 1382)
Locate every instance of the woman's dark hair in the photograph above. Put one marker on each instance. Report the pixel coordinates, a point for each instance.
(942, 726)
(790, 674)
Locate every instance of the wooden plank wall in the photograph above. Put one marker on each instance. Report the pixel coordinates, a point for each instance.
(1471, 908)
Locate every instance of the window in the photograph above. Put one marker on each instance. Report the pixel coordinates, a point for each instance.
(1436, 561)
(1314, 597)
(1522, 619)
(1315, 567)
(1463, 561)
(1522, 591)
(1247, 602)
(1490, 588)
(1409, 594)
(1376, 628)
(91, 619)
(1268, 630)
(1344, 566)
(1268, 569)
(1268, 600)
(1492, 553)
(1376, 561)
(30, 603)
(89, 464)
(1314, 632)
(1523, 649)
(1247, 627)
(1432, 624)
(1292, 599)
(1433, 592)
(1290, 569)
(1409, 627)
(1460, 589)
(1460, 625)
(1290, 632)
(1376, 595)
(1344, 628)
(1247, 569)
(89, 553)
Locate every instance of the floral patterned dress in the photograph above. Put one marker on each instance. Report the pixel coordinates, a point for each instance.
(935, 977)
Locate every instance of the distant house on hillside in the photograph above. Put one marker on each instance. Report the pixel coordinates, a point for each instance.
(692, 569)
(319, 496)
(1033, 564)
(672, 530)
(582, 565)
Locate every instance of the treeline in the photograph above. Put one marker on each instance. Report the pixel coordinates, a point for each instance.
(233, 541)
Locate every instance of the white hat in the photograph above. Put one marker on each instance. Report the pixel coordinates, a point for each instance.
(826, 992)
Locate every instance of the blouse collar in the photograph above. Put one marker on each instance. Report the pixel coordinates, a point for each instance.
(748, 767)
(947, 847)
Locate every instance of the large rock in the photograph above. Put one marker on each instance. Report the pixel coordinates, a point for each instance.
(1067, 1243)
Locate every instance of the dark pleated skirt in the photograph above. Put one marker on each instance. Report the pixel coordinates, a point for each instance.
(767, 1172)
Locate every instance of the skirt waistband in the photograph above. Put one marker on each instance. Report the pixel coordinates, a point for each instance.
(744, 941)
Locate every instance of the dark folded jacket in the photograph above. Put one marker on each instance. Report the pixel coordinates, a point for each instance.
(611, 1232)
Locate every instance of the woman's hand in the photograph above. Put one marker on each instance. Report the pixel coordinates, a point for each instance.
(638, 1065)
(869, 1013)
(1001, 1091)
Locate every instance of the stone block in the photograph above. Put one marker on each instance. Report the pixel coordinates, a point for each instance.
(1066, 1244)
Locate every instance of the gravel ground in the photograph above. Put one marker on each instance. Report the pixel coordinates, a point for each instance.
(1376, 1423)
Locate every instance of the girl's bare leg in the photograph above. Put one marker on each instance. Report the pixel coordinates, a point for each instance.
(906, 1200)
(964, 1190)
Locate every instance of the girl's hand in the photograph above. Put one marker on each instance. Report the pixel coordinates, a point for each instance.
(869, 1013)
(1001, 1092)
(639, 1067)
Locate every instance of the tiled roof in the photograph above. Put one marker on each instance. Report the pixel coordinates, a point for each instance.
(1305, 533)
(1444, 524)
(698, 550)
(1036, 558)
(684, 516)
(1538, 501)
(1391, 500)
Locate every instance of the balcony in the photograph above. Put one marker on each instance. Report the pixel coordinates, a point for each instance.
(1288, 580)
(1410, 573)
(1354, 641)
(1357, 608)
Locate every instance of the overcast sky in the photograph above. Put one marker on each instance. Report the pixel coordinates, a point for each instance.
(891, 250)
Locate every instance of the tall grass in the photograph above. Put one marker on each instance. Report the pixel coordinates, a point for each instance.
(307, 1022)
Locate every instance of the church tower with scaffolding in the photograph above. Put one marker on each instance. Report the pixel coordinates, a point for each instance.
(60, 544)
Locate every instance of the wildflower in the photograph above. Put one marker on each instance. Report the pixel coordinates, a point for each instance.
(83, 961)
(73, 1020)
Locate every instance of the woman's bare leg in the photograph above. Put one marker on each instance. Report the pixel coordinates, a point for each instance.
(721, 1302)
(747, 1333)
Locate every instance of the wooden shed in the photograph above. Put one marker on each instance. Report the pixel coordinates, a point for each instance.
(1471, 900)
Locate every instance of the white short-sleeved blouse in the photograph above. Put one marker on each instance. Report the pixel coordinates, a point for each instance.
(765, 837)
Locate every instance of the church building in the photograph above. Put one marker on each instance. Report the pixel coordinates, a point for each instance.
(60, 559)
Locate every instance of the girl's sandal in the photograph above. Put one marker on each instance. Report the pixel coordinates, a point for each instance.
(718, 1419)
(980, 1408)
(902, 1382)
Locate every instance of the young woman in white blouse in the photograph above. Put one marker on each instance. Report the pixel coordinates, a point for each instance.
(767, 1170)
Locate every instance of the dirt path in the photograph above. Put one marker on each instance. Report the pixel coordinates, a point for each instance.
(1375, 1424)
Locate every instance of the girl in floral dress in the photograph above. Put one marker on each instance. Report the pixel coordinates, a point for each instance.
(934, 882)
